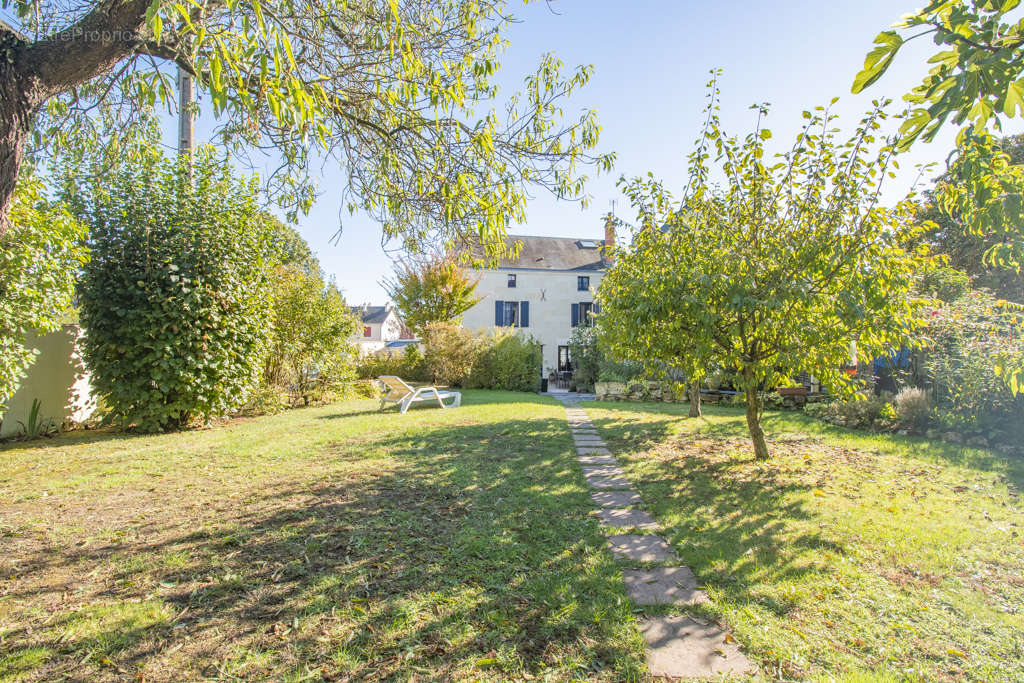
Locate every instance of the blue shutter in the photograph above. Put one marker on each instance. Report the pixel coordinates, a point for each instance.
(524, 314)
(499, 313)
(575, 315)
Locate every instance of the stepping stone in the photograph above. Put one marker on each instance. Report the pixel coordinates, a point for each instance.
(616, 499)
(582, 440)
(584, 432)
(597, 460)
(641, 548)
(592, 450)
(598, 482)
(603, 471)
(663, 586)
(683, 647)
(626, 519)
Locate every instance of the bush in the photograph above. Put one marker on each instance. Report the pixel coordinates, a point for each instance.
(311, 354)
(456, 357)
(586, 357)
(862, 411)
(508, 361)
(972, 340)
(944, 283)
(40, 256)
(175, 302)
(450, 353)
(265, 399)
(913, 408)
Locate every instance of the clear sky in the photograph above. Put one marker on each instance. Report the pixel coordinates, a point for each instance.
(651, 62)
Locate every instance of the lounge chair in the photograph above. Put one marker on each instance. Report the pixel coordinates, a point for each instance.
(404, 395)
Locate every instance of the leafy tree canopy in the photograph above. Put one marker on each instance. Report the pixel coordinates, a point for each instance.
(437, 290)
(775, 273)
(976, 75)
(40, 259)
(400, 94)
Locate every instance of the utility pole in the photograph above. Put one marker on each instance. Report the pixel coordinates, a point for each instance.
(186, 129)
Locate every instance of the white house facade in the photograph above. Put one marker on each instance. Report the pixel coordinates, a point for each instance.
(381, 330)
(545, 292)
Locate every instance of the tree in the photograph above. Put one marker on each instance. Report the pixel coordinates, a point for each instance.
(436, 291)
(175, 300)
(977, 79)
(40, 258)
(311, 349)
(776, 273)
(398, 93)
(965, 248)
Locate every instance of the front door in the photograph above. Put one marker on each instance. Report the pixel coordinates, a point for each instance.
(563, 359)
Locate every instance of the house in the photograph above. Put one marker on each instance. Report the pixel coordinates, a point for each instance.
(382, 331)
(545, 292)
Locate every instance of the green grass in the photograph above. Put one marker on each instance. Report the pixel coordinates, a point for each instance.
(847, 556)
(321, 544)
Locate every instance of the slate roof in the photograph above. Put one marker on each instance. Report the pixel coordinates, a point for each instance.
(371, 314)
(555, 253)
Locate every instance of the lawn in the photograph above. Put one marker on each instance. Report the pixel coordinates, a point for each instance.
(847, 555)
(326, 543)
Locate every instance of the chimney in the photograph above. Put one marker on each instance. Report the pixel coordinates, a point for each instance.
(609, 237)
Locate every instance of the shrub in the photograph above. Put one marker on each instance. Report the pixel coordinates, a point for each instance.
(509, 361)
(311, 354)
(972, 340)
(863, 411)
(913, 408)
(175, 301)
(40, 256)
(450, 353)
(410, 366)
(586, 357)
(944, 283)
(266, 399)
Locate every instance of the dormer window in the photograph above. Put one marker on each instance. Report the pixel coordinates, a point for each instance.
(512, 280)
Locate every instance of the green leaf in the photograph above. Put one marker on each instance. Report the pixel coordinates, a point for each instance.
(1014, 99)
(878, 60)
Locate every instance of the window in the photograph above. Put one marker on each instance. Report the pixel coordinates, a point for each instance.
(512, 313)
(583, 283)
(367, 331)
(586, 320)
(582, 314)
(512, 280)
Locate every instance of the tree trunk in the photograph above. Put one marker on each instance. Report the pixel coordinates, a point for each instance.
(754, 421)
(695, 399)
(16, 112)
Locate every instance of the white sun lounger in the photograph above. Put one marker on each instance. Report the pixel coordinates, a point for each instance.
(404, 395)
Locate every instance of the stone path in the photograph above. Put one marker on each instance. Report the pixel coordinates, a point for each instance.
(677, 646)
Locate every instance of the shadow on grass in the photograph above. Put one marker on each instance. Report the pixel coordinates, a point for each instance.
(738, 523)
(731, 422)
(466, 552)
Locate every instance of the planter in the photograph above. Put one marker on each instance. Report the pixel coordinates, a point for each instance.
(543, 385)
(792, 391)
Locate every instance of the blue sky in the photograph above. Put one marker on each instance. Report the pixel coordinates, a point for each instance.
(651, 64)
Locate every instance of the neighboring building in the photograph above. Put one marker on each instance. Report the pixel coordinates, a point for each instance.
(546, 292)
(57, 379)
(381, 330)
